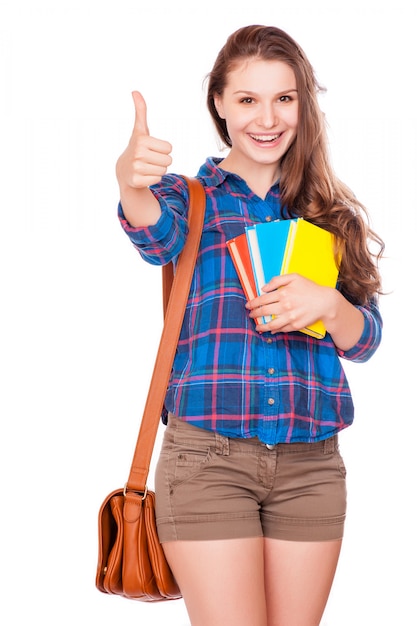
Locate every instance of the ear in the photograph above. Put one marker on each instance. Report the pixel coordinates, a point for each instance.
(219, 105)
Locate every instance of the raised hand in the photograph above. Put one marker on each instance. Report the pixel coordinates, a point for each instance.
(142, 164)
(146, 158)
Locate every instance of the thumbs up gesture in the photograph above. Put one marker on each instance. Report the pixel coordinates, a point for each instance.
(146, 158)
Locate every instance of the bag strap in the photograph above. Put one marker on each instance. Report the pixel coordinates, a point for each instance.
(174, 302)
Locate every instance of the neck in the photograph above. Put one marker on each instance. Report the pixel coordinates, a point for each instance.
(259, 177)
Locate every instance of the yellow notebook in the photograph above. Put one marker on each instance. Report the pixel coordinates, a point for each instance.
(310, 252)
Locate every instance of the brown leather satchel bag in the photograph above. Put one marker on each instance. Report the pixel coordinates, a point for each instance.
(131, 562)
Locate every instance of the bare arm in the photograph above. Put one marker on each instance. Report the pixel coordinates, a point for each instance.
(142, 164)
(342, 320)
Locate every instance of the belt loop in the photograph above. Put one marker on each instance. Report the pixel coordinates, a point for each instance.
(222, 444)
(330, 445)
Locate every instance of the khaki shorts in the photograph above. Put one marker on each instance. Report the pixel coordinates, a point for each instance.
(213, 487)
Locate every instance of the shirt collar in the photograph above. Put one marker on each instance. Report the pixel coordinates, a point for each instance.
(214, 176)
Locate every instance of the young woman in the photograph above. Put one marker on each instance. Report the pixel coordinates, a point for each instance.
(250, 483)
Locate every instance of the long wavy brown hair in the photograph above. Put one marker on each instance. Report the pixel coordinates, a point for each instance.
(308, 185)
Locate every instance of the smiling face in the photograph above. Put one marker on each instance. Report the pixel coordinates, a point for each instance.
(260, 107)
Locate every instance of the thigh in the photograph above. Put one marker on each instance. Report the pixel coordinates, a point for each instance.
(222, 582)
(298, 579)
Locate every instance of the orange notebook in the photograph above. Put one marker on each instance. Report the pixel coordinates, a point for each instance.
(239, 251)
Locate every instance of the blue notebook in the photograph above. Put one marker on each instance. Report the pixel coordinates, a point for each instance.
(267, 242)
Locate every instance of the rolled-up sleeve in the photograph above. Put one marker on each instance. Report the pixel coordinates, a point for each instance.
(162, 242)
(370, 338)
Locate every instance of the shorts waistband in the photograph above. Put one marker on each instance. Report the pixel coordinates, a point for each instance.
(327, 446)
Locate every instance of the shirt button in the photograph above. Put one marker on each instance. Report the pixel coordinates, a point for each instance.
(271, 370)
(268, 218)
(271, 401)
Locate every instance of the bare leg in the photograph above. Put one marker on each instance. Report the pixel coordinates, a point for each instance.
(226, 582)
(222, 581)
(298, 579)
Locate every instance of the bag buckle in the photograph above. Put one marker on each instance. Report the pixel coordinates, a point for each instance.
(143, 493)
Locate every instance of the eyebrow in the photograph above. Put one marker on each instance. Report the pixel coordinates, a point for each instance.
(253, 93)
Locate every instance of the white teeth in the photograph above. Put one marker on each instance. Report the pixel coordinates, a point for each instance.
(265, 139)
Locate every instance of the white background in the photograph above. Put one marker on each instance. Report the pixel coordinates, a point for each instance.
(81, 313)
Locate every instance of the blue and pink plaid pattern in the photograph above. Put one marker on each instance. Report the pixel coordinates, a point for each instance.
(227, 377)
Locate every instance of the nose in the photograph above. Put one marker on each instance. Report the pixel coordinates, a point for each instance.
(268, 116)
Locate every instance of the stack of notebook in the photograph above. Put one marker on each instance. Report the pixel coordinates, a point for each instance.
(270, 249)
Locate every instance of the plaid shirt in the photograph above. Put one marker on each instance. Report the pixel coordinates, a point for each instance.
(227, 377)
